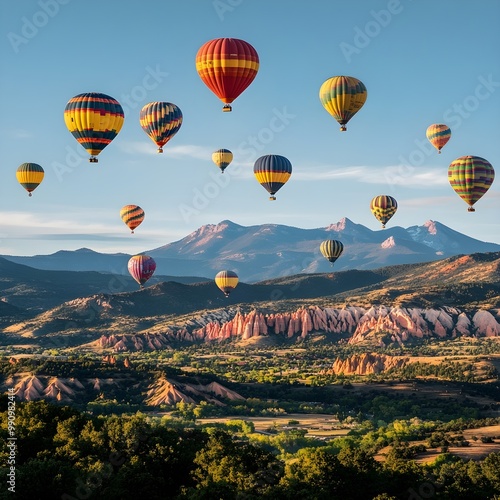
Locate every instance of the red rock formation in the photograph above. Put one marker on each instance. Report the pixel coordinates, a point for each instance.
(366, 364)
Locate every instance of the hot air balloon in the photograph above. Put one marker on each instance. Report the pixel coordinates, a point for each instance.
(438, 134)
(470, 177)
(222, 158)
(132, 215)
(342, 97)
(141, 268)
(29, 175)
(272, 171)
(331, 250)
(94, 119)
(161, 121)
(226, 281)
(227, 66)
(383, 207)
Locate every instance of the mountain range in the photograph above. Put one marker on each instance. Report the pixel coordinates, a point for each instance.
(269, 251)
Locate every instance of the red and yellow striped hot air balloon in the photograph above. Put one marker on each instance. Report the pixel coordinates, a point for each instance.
(383, 207)
(331, 250)
(132, 215)
(227, 66)
(470, 177)
(438, 135)
(342, 97)
(94, 120)
(226, 281)
(161, 121)
(30, 175)
(141, 268)
(272, 172)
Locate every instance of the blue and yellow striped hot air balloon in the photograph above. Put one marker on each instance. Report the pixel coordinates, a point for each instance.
(227, 66)
(132, 215)
(94, 120)
(272, 172)
(331, 250)
(226, 281)
(470, 177)
(222, 158)
(438, 135)
(383, 207)
(161, 121)
(30, 175)
(342, 97)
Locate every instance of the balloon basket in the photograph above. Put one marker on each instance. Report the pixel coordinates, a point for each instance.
(272, 198)
(93, 159)
(471, 209)
(227, 108)
(160, 150)
(343, 128)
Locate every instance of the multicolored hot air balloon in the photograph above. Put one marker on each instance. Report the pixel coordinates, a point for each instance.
(222, 158)
(471, 177)
(141, 268)
(383, 207)
(227, 66)
(272, 172)
(132, 215)
(161, 121)
(29, 175)
(331, 250)
(438, 134)
(226, 281)
(342, 97)
(94, 119)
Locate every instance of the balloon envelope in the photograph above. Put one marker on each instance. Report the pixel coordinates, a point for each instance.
(383, 207)
(141, 268)
(331, 250)
(471, 177)
(222, 158)
(161, 121)
(226, 281)
(132, 215)
(30, 175)
(438, 134)
(227, 66)
(342, 97)
(94, 120)
(272, 172)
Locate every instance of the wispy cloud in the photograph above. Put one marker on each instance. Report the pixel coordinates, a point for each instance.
(180, 151)
(18, 133)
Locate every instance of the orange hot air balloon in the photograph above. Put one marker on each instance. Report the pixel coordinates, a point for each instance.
(227, 66)
(132, 215)
(438, 135)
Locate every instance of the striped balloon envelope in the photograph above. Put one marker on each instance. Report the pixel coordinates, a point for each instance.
(471, 177)
(383, 207)
(161, 121)
(331, 250)
(94, 120)
(141, 268)
(222, 158)
(438, 135)
(132, 215)
(30, 175)
(227, 66)
(272, 172)
(342, 97)
(226, 281)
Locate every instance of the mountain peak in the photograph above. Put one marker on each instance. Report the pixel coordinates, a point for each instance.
(388, 243)
(341, 225)
(431, 226)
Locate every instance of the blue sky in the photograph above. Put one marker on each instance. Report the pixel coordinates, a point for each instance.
(422, 61)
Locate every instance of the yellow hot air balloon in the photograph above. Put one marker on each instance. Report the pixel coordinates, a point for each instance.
(29, 175)
(132, 215)
(272, 172)
(226, 281)
(222, 158)
(438, 135)
(383, 207)
(343, 97)
(470, 177)
(94, 120)
(331, 250)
